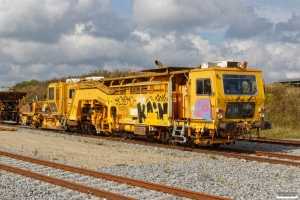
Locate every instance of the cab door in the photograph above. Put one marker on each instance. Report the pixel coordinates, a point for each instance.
(55, 98)
(202, 95)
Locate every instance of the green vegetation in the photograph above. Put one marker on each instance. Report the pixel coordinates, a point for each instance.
(35, 152)
(121, 165)
(26, 83)
(282, 101)
(203, 174)
(282, 108)
(167, 170)
(213, 157)
(39, 88)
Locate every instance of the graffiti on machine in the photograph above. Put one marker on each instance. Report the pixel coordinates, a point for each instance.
(152, 108)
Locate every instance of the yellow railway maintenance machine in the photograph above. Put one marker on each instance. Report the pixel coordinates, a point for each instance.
(209, 104)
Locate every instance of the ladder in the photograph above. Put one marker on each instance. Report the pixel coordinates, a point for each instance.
(179, 131)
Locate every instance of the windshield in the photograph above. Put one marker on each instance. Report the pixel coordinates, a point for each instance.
(239, 84)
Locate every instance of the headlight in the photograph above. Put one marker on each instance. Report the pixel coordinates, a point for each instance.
(262, 115)
(220, 115)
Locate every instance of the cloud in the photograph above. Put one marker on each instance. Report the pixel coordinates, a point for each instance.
(289, 31)
(75, 48)
(45, 21)
(51, 39)
(19, 51)
(168, 14)
(115, 65)
(247, 28)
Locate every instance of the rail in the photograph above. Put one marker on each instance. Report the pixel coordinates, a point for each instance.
(216, 151)
(2, 128)
(271, 141)
(64, 183)
(139, 183)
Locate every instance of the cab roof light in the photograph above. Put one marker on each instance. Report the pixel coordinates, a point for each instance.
(244, 65)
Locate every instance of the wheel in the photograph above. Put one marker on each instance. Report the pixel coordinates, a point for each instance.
(87, 128)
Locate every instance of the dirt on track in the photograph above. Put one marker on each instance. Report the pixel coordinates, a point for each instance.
(79, 153)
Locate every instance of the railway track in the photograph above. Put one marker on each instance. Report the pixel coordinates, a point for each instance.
(271, 141)
(93, 182)
(286, 142)
(259, 156)
(262, 156)
(3, 128)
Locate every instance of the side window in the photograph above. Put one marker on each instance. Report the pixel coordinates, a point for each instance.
(199, 86)
(51, 93)
(207, 86)
(203, 86)
(71, 93)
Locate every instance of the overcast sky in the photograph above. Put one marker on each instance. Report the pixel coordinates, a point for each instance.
(44, 39)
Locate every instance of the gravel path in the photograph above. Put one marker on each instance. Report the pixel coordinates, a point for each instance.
(217, 175)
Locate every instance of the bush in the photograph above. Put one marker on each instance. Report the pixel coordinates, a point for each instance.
(26, 83)
(283, 104)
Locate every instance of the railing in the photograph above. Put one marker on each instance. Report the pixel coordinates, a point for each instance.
(100, 86)
(137, 89)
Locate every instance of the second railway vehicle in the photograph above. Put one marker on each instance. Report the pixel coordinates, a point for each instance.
(209, 104)
(10, 102)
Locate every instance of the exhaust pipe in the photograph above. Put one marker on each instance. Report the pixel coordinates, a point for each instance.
(159, 64)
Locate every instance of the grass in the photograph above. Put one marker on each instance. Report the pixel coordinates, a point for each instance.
(35, 152)
(283, 105)
(203, 174)
(213, 157)
(121, 165)
(279, 132)
(167, 170)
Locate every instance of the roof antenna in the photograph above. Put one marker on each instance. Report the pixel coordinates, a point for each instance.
(159, 64)
(255, 62)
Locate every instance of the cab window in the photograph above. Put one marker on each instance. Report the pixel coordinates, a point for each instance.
(239, 84)
(51, 93)
(203, 86)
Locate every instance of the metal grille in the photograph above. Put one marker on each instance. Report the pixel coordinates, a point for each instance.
(240, 110)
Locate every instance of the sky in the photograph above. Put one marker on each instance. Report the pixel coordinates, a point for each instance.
(45, 39)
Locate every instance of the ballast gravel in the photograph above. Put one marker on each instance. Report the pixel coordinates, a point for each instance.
(211, 174)
(17, 187)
